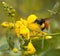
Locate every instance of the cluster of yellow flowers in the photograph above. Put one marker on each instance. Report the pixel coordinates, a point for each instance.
(26, 28)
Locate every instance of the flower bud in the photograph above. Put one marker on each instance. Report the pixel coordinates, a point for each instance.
(48, 37)
(4, 4)
(15, 50)
(12, 14)
(5, 24)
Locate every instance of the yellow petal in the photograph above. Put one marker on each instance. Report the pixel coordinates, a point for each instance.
(21, 29)
(23, 21)
(31, 49)
(31, 18)
(25, 32)
(34, 27)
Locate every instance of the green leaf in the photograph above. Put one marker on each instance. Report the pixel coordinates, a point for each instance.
(38, 45)
(51, 52)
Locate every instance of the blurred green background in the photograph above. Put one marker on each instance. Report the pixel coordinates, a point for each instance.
(39, 7)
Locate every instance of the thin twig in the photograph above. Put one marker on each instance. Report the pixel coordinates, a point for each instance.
(45, 35)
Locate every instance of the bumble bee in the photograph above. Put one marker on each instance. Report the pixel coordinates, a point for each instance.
(44, 23)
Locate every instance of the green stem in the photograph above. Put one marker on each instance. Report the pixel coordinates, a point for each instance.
(42, 42)
(54, 34)
(13, 20)
(47, 35)
(21, 43)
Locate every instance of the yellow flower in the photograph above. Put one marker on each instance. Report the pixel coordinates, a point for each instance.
(21, 29)
(5, 24)
(15, 50)
(30, 48)
(31, 18)
(29, 22)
